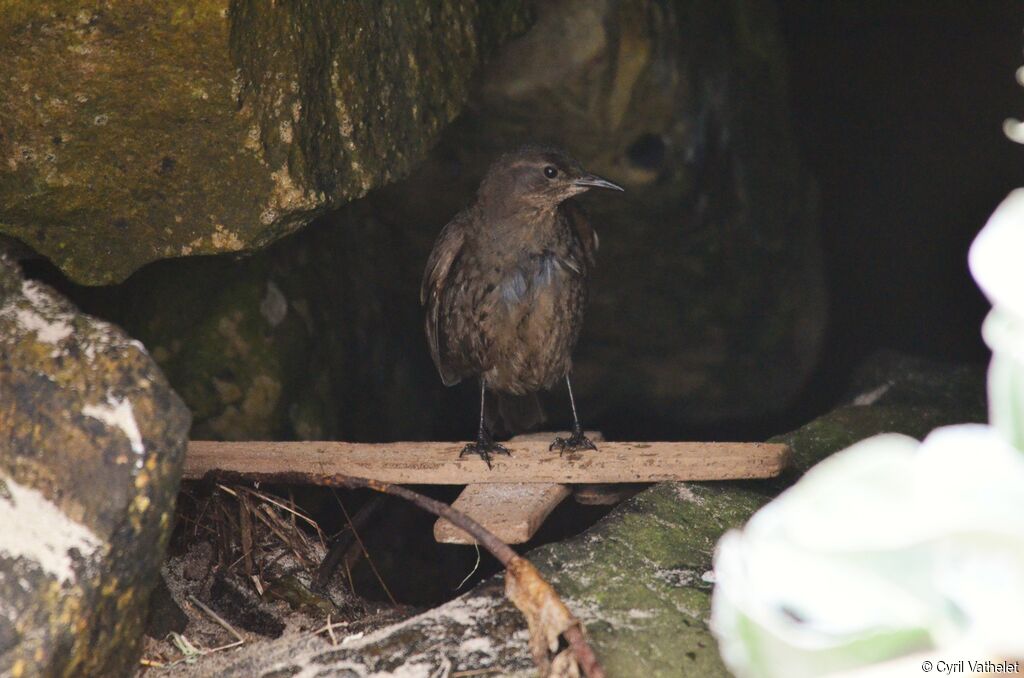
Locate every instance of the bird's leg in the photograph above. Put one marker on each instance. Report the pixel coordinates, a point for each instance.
(484, 445)
(577, 441)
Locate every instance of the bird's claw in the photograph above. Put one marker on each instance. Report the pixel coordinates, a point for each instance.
(574, 443)
(485, 448)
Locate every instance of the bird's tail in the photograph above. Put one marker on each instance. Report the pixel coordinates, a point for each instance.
(509, 415)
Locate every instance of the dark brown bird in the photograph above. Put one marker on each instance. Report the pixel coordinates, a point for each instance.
(506, 285)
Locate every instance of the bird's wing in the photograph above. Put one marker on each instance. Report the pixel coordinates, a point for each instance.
(446, 250)
(580, 223)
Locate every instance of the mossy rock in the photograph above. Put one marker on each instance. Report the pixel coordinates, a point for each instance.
(893, 392)
(228, 341)
(139, 131)
(307, 339)
(93, 445)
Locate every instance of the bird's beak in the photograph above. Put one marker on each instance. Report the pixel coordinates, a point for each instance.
(594, 181)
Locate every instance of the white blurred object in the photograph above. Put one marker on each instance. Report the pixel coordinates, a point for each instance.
(892, 550)
(995, 255)
(997, 264)
(1013, 128)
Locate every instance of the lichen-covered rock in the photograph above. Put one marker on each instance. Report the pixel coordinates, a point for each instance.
(641, 578)
(91, 450)
(137, 131)
(708, 301)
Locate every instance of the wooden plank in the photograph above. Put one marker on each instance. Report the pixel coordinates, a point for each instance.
(512, 511)
(438, 463)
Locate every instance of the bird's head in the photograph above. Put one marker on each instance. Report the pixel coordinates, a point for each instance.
(539, 177)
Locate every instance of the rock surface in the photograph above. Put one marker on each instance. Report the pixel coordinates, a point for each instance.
(90, 458)
(229, 341)
(139, 131)
(308, 339)
(639, 579)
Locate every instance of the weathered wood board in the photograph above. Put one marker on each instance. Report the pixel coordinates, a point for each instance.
(438, 463)
(512, 511)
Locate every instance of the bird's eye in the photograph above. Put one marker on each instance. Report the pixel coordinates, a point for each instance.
(550, 172)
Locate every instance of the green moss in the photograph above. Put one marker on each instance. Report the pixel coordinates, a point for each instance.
(232, 360)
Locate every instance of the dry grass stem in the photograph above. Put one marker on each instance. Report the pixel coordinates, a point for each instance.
(217, 618)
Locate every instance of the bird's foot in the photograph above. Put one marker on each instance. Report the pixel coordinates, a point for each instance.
(484, 447)
(574, 443)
